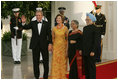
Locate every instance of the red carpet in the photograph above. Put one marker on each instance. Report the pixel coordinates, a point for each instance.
(106, 70)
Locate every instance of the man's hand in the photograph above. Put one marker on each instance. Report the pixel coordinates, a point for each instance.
(92, 54)
(23, 18)
(72, 41)
(50, 47)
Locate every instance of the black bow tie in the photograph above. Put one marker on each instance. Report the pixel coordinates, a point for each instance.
(39, 22)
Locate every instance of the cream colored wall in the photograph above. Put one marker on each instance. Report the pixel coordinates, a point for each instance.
(110, 39)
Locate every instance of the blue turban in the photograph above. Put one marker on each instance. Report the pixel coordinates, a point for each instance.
(91, 16)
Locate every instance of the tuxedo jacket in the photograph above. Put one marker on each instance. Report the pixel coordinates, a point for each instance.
(41, 40)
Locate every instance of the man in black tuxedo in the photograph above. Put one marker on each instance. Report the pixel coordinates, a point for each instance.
(41, 41)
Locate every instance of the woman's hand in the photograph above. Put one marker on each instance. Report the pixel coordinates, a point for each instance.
(72, 41)
(50, 47)
(92, 54)
(80, 52)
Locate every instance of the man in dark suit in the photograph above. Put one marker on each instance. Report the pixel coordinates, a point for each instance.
(41, 41)
(90, 43)
(101, 28)
(45, 19)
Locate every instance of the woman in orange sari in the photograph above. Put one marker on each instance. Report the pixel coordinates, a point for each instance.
(74, 51)
(59, 58)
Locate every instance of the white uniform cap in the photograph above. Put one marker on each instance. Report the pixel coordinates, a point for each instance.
(15, 9)
(38, 9)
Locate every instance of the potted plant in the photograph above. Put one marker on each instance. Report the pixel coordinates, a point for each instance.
(6, 44)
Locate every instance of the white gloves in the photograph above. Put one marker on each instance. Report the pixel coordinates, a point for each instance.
(102, 36)
(16, 28)
(94, 11)
(23, 24)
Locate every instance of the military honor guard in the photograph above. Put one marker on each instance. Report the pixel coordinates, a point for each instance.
(101, 27)
(66, 20)
(16, 35)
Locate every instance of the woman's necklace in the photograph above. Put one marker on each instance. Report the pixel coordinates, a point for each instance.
(59, 26)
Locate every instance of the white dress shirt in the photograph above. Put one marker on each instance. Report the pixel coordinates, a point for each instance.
(39, 27)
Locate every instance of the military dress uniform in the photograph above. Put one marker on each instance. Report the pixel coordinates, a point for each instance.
(101, 27)
(16, 37)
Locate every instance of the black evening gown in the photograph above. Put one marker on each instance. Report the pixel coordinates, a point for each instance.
(77, 36)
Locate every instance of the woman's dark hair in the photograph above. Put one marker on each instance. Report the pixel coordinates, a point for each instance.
(62, 17)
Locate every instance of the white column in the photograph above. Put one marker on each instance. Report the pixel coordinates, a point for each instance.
(6, 24)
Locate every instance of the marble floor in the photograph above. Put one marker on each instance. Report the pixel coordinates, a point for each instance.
(9, 70)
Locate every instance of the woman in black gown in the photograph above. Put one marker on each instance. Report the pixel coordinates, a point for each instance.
(74, 51)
